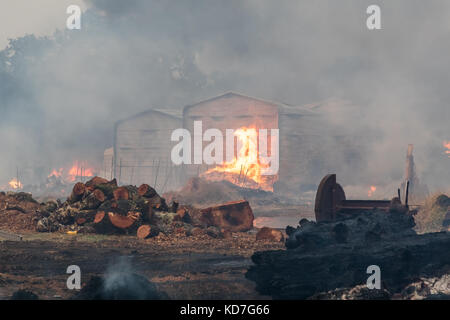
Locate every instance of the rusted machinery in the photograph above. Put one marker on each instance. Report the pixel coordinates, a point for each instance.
(331, 201)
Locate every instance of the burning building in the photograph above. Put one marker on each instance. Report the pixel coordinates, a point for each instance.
(142, 144)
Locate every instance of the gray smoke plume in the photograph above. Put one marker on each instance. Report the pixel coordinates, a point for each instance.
(120, 282)
(60, 96)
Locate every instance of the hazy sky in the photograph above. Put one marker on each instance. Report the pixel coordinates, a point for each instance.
(39, 17)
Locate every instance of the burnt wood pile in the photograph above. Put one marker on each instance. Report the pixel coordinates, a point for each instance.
(101, 206)
(334, 255)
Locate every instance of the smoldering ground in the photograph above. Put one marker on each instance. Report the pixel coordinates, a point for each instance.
(62, 95)
(120, 282)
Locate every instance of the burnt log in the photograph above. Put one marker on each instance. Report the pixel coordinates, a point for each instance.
(85, 216)
(158, 203)
(94, 182)
(78, 192)
(93, 200)
(148, 214)
(146, 191)
(127, 223)
(121, 193)
(108, 188)
(147, 231)
(236, 216)
(336, 254)
(132, 192)
(102, 224)
(114, 223)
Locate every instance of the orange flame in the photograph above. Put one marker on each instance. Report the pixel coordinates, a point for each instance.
(78, 169)
(446, 145)
(56, 173)
(245, 169)
(15, 184)
(372, 189)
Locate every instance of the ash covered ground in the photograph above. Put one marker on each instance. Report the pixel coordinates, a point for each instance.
(203, 254)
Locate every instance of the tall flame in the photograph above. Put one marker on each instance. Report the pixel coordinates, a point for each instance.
(245, 169)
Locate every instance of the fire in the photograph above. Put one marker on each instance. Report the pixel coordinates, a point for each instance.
(56, 173)
(15, 184)
(446, 145)
(76, 171)
(245, 169)
(372, 189)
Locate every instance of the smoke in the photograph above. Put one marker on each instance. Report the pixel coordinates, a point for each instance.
(62, 95)
(121, 283)
(116, 275)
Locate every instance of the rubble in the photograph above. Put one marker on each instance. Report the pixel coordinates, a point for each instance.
(335, 254)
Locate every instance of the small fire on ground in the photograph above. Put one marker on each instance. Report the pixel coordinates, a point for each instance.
(371, 191)
(79, 170)
(15, 184)
(245, 170)
(446, 145)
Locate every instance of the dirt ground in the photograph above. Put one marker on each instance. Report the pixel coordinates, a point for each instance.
(183, 267)
(195, 267)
